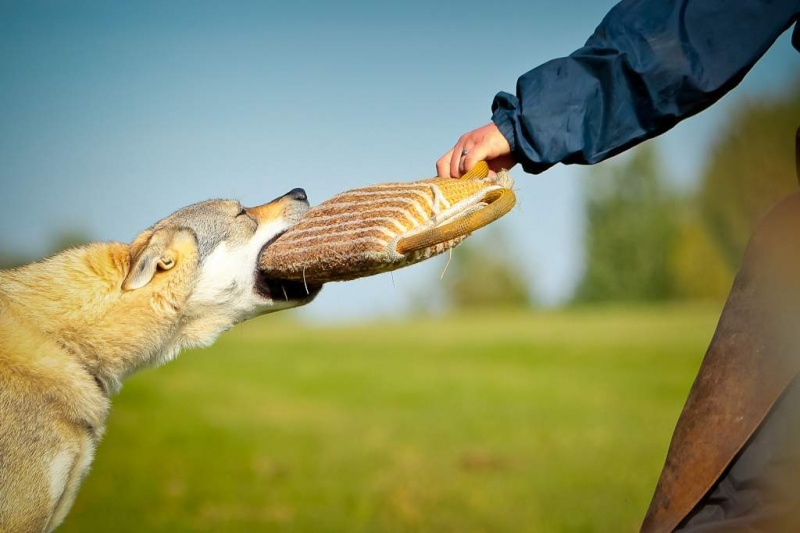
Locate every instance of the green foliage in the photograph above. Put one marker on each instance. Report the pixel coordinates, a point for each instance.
(697, 266)
(500, 422)
(630, 229)
(482, 275)
(751, 167)
(645, 243)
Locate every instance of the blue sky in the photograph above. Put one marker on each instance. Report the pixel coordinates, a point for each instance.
(114, 114)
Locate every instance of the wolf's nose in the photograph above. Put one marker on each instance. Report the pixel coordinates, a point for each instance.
(297, 194)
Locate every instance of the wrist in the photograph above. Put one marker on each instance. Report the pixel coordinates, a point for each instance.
(502, 119)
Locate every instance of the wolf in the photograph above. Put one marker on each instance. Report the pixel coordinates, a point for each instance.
(74, 326)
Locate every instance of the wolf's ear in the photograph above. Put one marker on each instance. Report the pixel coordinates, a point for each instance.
(161, 251)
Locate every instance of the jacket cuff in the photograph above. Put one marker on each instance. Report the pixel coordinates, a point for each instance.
(504, 111)
(505, 115)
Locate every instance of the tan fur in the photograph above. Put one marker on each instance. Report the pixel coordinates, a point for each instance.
(69, 335)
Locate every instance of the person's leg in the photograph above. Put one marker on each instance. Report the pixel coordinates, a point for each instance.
(759, 491)
(728, 436)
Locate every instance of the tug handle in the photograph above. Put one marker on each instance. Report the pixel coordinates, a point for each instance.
(499, 202)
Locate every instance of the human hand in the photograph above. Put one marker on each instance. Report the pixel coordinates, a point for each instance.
(483, 144)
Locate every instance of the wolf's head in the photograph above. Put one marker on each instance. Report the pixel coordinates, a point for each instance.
(224, 240)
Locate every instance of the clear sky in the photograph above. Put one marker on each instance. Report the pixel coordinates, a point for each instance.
(114, 114)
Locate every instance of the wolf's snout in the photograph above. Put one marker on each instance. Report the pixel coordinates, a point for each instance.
(297, 194)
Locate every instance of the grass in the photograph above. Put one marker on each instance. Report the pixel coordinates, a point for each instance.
(554, 421)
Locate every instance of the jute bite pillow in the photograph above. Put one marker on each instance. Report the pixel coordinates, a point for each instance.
(388, 226)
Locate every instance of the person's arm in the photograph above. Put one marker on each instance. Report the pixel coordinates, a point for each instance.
(649, 65)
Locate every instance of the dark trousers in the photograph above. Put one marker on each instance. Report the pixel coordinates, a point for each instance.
(760, 491)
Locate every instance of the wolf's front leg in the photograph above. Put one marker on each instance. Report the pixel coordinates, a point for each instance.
(42, 464)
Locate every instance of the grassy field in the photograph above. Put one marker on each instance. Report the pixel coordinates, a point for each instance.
(546, 422)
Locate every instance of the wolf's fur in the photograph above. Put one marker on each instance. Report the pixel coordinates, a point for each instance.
(74, 326)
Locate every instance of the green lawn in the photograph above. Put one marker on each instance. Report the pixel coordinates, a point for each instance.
(553, 421)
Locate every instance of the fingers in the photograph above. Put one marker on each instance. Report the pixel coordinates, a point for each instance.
(443, 164)
(452, 164)
(455, 158)
(458, 160)
(466, 153)
(485, 143)
(477, 153)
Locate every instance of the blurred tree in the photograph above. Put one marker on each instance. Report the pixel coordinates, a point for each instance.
(751, 167)
(482, 274)
(631, 227)
(698, 268)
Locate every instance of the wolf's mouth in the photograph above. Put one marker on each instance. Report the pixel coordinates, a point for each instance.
(284, 289)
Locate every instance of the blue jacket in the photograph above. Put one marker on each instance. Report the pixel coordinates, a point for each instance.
(649, 65)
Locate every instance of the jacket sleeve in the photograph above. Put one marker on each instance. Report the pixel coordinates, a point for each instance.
(649, 65)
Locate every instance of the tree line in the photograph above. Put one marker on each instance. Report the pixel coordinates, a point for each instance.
(647, 242)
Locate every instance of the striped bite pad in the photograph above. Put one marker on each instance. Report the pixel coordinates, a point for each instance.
(384, 227)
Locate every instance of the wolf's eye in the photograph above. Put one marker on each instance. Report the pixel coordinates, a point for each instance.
(242, 212)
